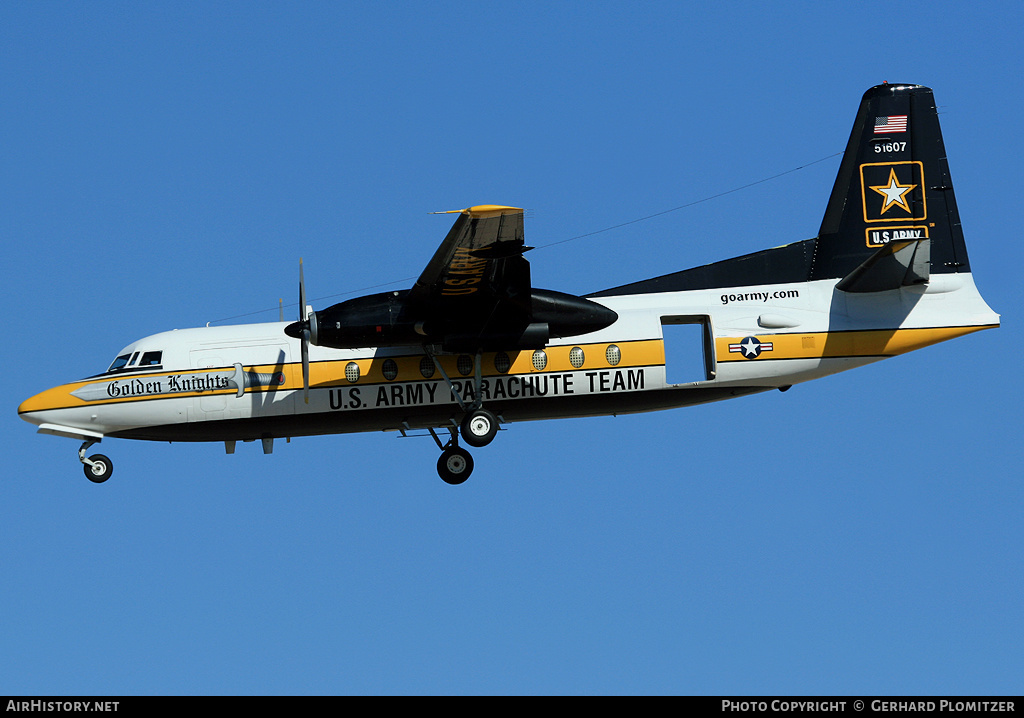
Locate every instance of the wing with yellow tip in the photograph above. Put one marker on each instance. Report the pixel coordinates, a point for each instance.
(479, 263)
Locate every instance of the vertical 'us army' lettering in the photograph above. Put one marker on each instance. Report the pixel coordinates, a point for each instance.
(464, 272)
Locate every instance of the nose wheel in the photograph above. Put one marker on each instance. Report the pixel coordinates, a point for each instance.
(98, 467)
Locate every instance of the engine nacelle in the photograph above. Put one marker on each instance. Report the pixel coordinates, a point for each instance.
(387, 319)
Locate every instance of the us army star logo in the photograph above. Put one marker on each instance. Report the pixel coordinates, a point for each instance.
(894, 193)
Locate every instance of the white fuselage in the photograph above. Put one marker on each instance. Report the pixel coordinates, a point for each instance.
(244, 382)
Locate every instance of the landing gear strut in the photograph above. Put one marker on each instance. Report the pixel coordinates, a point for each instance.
(98, 467)
(478, 428)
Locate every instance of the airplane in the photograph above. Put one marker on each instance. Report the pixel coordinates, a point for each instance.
(473, 346)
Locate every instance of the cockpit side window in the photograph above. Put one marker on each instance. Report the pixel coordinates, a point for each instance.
(150, 359)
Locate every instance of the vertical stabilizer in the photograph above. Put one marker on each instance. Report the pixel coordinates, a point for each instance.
(893, 196)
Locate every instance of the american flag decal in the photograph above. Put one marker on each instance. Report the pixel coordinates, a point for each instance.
(892, 123)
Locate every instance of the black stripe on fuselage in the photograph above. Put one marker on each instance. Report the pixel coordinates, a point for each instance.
(782, 265)
(420, 417)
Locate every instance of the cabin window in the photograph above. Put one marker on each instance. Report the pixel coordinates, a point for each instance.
(426, 367)
(613, 355)
(502, 363)
(352, 372)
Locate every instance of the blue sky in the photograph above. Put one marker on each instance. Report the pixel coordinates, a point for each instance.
(166, 164)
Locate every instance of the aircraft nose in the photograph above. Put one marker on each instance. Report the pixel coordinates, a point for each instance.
(47, 406)
(30, 408)
(59, 412)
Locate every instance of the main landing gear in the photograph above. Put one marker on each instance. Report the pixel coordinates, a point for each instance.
(478, 428)
(98, 467)
(455, 464)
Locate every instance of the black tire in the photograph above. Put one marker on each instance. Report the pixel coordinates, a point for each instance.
(455, 465)
(101, 468)
(479, 428)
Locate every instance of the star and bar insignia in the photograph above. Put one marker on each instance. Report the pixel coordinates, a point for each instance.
(751, 347)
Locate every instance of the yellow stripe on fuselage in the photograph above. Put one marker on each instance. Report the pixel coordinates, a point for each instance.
(556, 359)
(371, 370)
(831, 345)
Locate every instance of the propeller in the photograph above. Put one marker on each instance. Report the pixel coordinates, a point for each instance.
(305, 331)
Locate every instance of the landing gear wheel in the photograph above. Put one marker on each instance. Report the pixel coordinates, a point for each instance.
(100, 470)
(479, 428)
(455, 465)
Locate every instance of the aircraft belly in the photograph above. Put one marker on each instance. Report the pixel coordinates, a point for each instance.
(432, 416)
(377, 406)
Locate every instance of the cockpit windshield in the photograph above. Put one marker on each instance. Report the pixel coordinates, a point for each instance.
(131, 360)
(120, 363)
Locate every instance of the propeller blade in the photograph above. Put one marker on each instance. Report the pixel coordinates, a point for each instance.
(305, 364)
(305, 333)
(302, 294)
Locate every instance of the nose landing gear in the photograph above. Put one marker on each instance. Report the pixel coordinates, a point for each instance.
(98, 468)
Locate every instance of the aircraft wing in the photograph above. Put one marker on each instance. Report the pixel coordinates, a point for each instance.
(478, 275)
(474, 295)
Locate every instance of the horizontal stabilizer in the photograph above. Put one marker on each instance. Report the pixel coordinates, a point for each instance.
(899, 264)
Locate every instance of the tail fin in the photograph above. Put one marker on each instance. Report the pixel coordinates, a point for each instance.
(892, 218)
